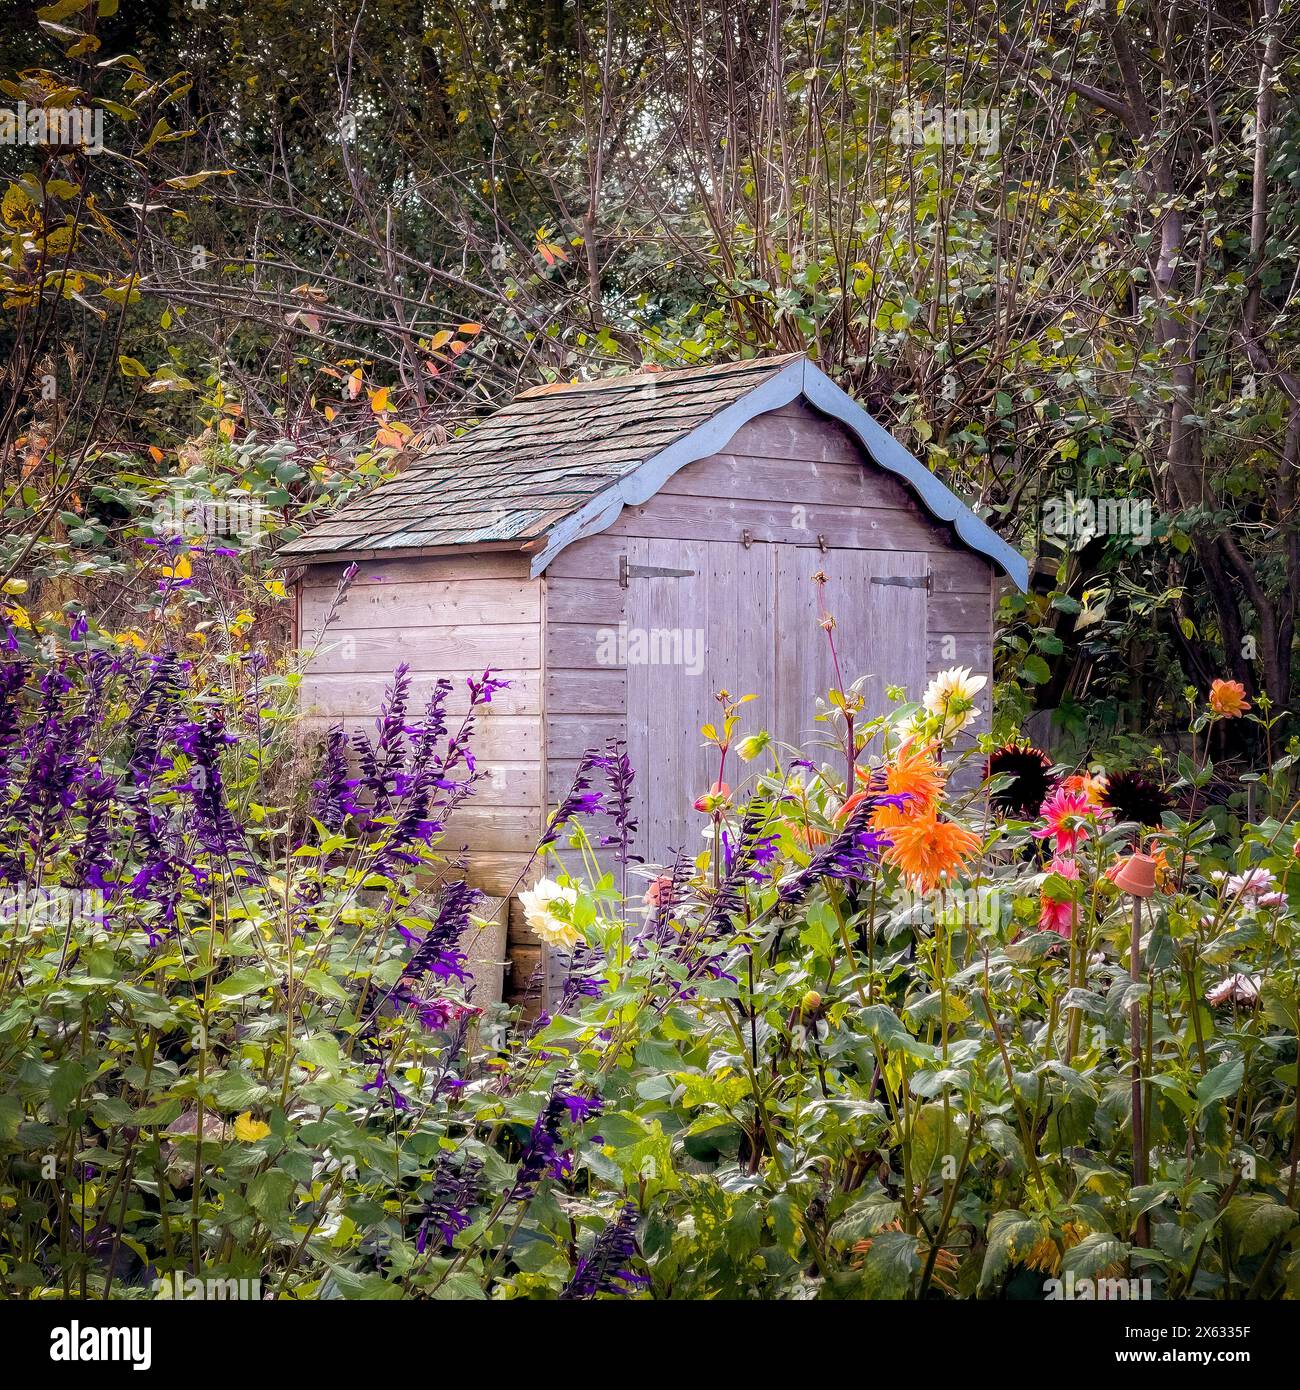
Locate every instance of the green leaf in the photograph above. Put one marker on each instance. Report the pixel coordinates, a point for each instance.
(744, 1229)
(61, 9)
(269, 1192)
(69, 1078)
(11, 1116)
(928, 1145)
(1254, 1221)
(251, 980)
(864, 1218)
(325, 985)
(1011, 1236)
(365, 1287)
(884, 1026)
(1093, 1254)
(193, 180)
(816, 932)
(890, 1265)
(321, 1050)
(1223, 1080)
(236, 1091)
(463, 1286)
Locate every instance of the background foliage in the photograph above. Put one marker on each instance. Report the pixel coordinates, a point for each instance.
(320, 239)
(355, 228)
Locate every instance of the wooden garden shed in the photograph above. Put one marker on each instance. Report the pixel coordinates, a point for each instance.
(623, 549)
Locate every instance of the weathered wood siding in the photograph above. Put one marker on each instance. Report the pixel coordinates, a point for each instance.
(445, 617)
(794, 481)
(751, 522)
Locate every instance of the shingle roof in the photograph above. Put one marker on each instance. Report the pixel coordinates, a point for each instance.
(537, 460)
(560, 462)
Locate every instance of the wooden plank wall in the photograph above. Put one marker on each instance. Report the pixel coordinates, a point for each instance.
(449, 617)
(787, 478)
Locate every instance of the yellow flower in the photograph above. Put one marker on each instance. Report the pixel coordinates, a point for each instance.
(248, 1130)
(17, 615)
(1044, 1256)
(548, 910)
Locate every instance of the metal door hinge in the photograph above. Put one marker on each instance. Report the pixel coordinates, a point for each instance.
(906, 581)
(626, 572)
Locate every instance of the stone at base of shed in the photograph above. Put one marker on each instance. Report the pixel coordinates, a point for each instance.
(526, 970)
(488, 962)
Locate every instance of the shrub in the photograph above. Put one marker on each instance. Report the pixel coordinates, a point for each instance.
(878, 1038)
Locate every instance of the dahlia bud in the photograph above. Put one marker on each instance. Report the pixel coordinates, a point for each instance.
(715, 799)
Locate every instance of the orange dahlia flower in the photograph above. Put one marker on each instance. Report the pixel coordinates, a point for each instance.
(929, 850)
(1228, 699)
(807, 835)
(915, 775)
(1093, 787)
(1164, 874)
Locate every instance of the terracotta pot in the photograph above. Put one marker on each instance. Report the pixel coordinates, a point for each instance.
(1137, 876)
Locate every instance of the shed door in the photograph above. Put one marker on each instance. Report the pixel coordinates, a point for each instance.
(704, 616)
(878, 600)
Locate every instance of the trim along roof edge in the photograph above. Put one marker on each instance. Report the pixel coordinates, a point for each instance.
(800, 378)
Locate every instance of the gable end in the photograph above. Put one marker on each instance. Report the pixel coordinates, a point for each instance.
(800, 378)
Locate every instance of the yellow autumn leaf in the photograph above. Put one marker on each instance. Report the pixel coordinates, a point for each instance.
(15, 586)
(17, 615)
(274, 587)
(59, 241)
(248, 1130)
(15, 206)
(182, 569)
(379, 400)
(330, 412)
